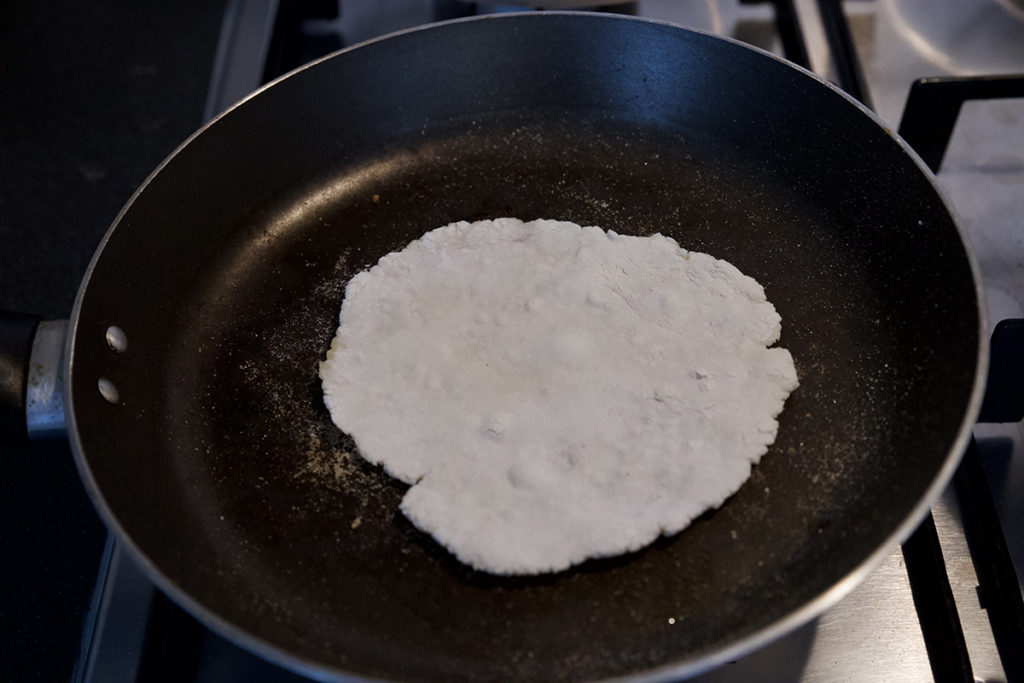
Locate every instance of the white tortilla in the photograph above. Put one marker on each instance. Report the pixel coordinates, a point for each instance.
(556, 393)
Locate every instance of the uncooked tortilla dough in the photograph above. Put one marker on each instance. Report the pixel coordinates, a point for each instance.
(555, 393)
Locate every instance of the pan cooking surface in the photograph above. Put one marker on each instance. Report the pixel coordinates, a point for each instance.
(313, 534)
(227, 274)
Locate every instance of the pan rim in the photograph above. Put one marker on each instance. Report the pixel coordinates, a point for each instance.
(685, 667)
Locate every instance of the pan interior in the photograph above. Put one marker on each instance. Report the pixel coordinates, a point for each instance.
(311, 535)
(223, 467)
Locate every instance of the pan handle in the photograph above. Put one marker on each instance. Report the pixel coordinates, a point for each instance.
(31, 377)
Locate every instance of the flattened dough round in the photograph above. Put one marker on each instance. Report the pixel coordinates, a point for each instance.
(555, 393)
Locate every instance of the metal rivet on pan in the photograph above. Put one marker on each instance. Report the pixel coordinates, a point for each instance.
(117, 340)
(108, 391)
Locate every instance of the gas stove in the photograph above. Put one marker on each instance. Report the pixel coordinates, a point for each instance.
(946, 604)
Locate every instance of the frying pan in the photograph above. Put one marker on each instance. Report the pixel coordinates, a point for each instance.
(216, 461)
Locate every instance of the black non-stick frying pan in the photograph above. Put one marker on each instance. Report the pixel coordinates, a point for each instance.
(217, 462)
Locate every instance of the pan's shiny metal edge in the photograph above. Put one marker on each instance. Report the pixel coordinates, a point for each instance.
(682, 669)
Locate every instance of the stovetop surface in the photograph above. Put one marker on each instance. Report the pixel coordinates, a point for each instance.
(92, 97)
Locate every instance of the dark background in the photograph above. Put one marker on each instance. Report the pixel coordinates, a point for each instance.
(92, 97)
